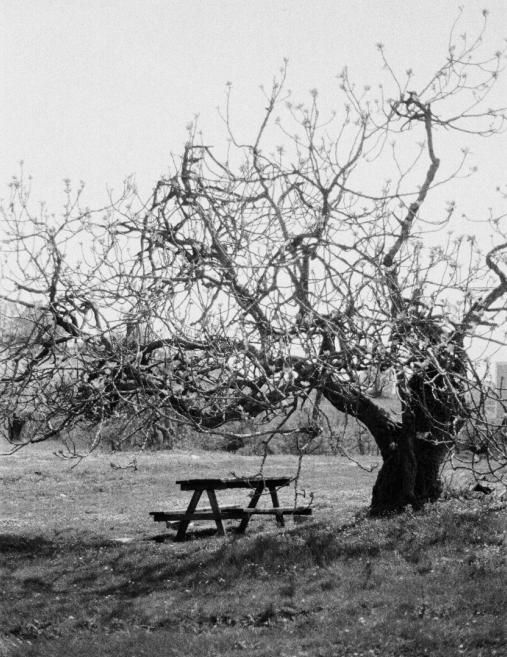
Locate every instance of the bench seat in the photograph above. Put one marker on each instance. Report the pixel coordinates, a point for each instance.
(228, 513)
(180, 513)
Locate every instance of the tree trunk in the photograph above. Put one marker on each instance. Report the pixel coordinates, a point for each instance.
(15, 426)
(412, 450)
(409, 475)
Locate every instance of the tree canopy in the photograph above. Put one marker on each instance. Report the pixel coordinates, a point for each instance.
(256, 279)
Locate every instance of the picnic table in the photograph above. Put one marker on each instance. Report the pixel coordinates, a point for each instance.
(182, 518)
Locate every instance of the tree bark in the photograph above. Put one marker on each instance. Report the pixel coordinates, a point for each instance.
(411, 473)
(412, 450)
(409, 476)
(15, 425)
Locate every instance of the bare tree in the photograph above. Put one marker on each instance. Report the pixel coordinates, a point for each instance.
(274, 277)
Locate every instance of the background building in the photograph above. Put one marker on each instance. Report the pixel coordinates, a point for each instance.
(501, 387)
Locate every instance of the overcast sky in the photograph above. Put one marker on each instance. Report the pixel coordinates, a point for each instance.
(96, 90)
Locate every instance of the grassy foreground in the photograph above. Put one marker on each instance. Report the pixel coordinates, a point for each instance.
(426, 584)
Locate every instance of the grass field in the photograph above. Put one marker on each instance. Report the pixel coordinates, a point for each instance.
(431, 583)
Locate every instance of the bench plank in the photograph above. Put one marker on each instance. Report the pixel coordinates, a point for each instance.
(228, 514)
(225, 507)
(287, 510)
(222, 484)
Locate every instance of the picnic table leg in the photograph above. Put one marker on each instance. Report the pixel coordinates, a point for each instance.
(216, 511)
(252, 504)
(184, 522)
(274, 498)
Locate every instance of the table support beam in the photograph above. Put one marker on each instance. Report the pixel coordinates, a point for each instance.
(274, 498)
(216, 511)
(182, 529)
(252, 504)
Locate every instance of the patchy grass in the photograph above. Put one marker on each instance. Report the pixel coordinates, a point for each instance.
(431, 583)
(42, 495)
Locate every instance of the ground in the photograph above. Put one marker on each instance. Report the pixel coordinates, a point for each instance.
(431, 583)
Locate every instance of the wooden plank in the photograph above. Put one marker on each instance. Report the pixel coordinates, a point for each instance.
(243, 513)
(252, 504)
(163, 516)
(222, 484)
(286, 510)
(274, 498)
(217, 516)
(225, 507)
(187, 517)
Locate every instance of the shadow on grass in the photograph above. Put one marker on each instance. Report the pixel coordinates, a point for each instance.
(144, 567)
(237, 558)
(317, 545)
(37, 545)
(434, 576)
(26, 545)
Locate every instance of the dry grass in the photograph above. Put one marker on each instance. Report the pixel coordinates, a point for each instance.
(425, 584)
(44, 495)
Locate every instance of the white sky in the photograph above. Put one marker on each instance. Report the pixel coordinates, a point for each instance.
(96, 90)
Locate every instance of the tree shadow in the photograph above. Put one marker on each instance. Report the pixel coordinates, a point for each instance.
(25, 545)
(36, 545)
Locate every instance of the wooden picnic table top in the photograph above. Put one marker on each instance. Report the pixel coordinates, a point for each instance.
(232, 482)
